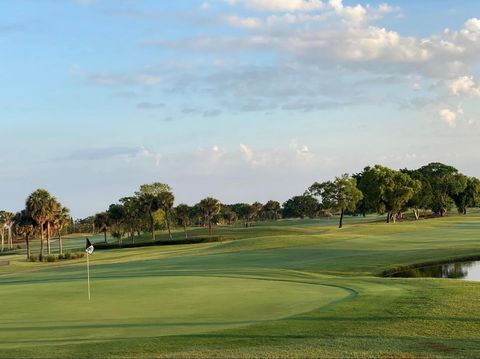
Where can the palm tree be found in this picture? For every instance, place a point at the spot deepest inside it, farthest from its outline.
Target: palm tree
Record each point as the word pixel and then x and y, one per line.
pixel 183 215
pixel 8 223
pixel 24 224
pixel 39 204
pixel 166 203
pixel 2 232
pixel 61 219
pixel 209 207
pixel 102 222
pixel 149 205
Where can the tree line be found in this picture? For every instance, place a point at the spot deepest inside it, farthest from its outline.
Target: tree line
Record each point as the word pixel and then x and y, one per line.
pixel 434 189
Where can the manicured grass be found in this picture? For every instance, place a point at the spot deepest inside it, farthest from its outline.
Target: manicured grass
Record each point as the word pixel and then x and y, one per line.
pixel 279 289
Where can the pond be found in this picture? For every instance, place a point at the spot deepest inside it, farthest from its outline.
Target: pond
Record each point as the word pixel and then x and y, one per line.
pixel 460 270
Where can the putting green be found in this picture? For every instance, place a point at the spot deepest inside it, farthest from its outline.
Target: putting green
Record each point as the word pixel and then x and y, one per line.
pixel 59 312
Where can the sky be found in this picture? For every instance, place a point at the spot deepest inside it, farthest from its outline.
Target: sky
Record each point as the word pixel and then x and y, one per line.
pixel 243 100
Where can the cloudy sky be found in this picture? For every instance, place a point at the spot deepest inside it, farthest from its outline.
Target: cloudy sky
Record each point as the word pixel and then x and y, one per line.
pixel 239 99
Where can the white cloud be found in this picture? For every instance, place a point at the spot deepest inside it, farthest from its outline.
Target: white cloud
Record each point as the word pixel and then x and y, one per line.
pixel 243 22
pixel 450 117
pixel 464 85
pixel 280 5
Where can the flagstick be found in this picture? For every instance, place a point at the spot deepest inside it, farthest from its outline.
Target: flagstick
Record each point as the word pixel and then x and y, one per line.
pixel 88 276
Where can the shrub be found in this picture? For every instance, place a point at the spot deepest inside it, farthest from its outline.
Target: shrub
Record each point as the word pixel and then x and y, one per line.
pixel 61 256
pixel 67 255
pixel 51 258
pixel 33 258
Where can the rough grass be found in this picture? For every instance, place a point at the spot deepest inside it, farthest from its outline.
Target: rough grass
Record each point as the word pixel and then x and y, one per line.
pixel 282 289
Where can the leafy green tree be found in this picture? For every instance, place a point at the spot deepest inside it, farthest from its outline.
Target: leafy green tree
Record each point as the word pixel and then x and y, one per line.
pixel 340 195
pixel 245 210
pixel 271 209
pixel 210 207
pixel 445 182
pixel 387 190
pixel 40 204
pixel 469 197
pixel 133 214
pixel 183 216
pixel 116 213
pixel 167 200
pixel 150 201
pixel 301 206
pixel 24 225
pixel 422 198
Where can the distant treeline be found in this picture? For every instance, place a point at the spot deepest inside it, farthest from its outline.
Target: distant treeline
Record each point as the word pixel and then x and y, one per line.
pixel 434 189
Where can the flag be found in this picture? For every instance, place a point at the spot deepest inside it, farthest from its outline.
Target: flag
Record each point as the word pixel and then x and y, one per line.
pixel 89 247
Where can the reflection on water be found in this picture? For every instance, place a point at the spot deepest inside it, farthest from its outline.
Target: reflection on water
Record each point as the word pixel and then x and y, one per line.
pixel 460 270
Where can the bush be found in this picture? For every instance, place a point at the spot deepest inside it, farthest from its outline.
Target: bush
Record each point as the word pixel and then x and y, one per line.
pixel 33 258
pixel 61 256
pixel 51 258
pixel 78 255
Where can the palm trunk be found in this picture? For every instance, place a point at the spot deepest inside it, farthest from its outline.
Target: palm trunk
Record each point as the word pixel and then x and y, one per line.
pixel 210 227
pixel 185 229
pixel 28 246
pixel 105 236
pixel 49 249
pixel 416 214
pixel 168 225
pixel 3 238
pixel 10 239
pixel 152 226
pixel 341 220
pixel 388 217
pixel 60 244
pixel 41 242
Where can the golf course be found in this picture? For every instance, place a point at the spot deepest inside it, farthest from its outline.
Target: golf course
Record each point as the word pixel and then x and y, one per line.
pixel 286 288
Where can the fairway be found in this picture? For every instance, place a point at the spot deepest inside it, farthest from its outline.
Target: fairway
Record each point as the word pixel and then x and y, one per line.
pixel 291 288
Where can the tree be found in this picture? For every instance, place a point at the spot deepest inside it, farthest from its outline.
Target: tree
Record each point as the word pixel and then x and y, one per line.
pixel 133 214
pixel 271 210
pixel 245 210
pixel 469 197
pixel 387 190
pixel 183 215
pixel 24 225
pixel 209 207
pixel 340 195
pixel 61 219
pixel 422 198
pixel 2 228
pixel 102 222
pixel 40 206
pixel 228 215
pixel 149 199
pixel 301 206
pixel 7 219
pixel 256 208
pixel 166 200
pixel 445 182
pixel 116 213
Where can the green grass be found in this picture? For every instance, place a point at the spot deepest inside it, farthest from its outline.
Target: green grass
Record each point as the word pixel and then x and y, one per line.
pixel 289 288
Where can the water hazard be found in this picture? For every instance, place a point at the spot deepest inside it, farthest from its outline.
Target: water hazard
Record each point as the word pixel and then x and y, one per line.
pixel 460 270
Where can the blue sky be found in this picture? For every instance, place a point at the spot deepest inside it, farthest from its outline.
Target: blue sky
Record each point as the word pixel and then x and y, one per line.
pixel 243 100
